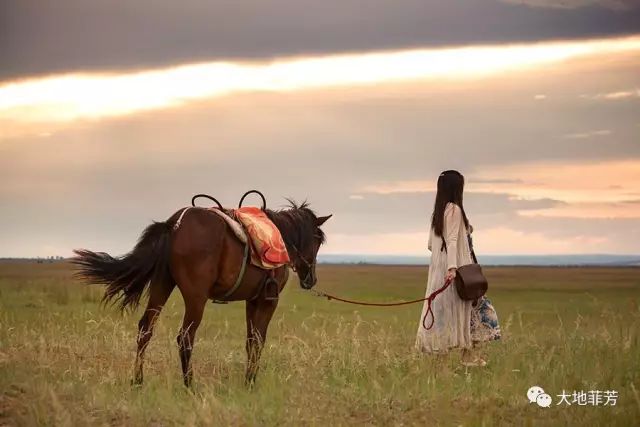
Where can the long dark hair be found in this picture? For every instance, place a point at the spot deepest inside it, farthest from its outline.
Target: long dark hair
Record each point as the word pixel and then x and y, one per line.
pixel 450 189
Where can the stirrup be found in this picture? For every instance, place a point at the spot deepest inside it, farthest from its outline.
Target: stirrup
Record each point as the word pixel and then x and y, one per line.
pixel 271 290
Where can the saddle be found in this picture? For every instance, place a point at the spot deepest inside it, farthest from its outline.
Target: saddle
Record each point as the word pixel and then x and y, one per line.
pixel 269 250
pixel 263 243
pixel 252 226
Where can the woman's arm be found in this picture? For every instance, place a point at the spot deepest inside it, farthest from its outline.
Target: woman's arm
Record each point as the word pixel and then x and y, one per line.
pixel 452 224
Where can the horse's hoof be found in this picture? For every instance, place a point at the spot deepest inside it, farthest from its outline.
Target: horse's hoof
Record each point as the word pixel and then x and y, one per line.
pixel 250 383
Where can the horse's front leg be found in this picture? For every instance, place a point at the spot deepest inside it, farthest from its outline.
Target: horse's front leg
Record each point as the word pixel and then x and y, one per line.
pixel 259 313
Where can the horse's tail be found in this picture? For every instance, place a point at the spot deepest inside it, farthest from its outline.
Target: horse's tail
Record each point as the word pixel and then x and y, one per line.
pixel 128 276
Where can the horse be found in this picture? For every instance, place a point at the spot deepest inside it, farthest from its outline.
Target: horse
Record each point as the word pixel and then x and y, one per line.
pixel 196 250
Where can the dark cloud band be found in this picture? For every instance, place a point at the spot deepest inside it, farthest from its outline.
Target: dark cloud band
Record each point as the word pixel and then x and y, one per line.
pixel 67 35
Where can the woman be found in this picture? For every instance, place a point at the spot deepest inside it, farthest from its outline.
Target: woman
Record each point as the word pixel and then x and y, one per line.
pixel 456 323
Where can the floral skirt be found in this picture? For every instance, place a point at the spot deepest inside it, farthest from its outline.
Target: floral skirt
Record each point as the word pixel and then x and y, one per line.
pixel 484 322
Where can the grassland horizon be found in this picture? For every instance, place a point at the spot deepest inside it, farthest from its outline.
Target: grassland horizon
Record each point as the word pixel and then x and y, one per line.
pixel 554 260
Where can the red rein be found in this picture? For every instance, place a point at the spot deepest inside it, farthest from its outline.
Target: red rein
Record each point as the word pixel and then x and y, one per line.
pixel 430 299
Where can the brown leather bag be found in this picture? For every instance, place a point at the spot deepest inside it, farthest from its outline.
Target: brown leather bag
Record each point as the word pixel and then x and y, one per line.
pixel 470 281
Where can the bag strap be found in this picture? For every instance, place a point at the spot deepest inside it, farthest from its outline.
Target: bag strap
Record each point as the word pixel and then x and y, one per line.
pixel 470 239
pixel 473 253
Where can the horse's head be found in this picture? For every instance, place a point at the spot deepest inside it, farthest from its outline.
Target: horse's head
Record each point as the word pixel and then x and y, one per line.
pixel 300 228
pixel 305 262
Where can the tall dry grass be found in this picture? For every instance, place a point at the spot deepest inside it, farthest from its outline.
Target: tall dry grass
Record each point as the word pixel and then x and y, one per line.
pixel 65 360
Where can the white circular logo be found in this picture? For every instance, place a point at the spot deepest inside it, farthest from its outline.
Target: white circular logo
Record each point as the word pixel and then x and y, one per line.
pixel 534 392
pixel 543 400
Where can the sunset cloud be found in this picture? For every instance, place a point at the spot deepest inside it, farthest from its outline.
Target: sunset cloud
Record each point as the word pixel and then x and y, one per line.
pixel 575 4
pixel 585 190
pixel 621 94
pixel 629 210
pixel 362 137
pixel 72 97
pixel 40 38
pixel 588 134
pixel 523 242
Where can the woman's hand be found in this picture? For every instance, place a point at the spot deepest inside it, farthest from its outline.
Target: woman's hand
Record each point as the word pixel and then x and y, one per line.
pixel 451 275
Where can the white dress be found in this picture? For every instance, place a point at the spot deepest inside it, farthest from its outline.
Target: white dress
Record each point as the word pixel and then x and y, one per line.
pixel 452 316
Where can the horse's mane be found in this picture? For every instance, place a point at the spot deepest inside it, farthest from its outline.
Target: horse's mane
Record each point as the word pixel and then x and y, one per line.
pixel 297 223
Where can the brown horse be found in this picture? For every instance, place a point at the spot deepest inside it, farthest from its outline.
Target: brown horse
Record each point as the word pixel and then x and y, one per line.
pixel 196 250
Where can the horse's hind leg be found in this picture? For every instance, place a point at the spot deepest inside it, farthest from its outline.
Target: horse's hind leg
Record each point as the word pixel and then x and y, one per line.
pixel 194 308
pixel 258 313
pixel 158 296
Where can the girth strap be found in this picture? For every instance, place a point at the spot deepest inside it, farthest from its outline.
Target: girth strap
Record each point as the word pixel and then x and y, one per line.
pixel 236 285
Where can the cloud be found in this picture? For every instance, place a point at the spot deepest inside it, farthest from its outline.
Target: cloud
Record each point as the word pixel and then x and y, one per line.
pixel 617 5
pixel 621 94
pixel 540 97
pixel 407 212
pixel 617 235
pixel 574 182
pixel 525 242
pixel 327 144
pixel 414 242
pixel 92 96
pixel 588 134
pixel 474 180
pixel 587 208
pixel 43 38
pixel 630 209
pixel 488 240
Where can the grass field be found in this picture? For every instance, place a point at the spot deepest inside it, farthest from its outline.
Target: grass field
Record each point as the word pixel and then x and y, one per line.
pixel 65 360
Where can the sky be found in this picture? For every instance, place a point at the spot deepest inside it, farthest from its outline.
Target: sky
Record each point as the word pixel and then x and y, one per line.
pixel 113 114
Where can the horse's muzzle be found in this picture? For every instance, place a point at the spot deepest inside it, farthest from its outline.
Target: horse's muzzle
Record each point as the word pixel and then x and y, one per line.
pixel 309 281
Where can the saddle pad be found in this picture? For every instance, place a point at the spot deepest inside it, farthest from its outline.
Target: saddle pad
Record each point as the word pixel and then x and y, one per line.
pixel 235 225
pixel 269 250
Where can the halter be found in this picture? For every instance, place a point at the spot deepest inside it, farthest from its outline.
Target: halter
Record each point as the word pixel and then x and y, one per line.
pixel 300 257
pixel 310 265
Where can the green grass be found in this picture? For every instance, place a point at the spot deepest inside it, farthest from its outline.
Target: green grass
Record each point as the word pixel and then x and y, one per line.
pixel 65 360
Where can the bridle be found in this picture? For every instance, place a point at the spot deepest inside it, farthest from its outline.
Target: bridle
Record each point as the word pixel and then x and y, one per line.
pixel 301 258
pixel 310 265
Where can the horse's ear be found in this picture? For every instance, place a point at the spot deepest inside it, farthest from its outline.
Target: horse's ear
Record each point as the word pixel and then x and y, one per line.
pixel 322 219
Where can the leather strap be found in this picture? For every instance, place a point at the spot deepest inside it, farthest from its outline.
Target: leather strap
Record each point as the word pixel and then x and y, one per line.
pixel 473 253
pixel 240 275
pixel 470 239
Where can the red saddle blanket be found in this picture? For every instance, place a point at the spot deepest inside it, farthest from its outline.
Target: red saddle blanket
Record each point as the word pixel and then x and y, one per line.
pixel 269 250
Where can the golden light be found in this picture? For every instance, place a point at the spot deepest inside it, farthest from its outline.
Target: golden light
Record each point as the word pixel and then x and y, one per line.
pixel 71 97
